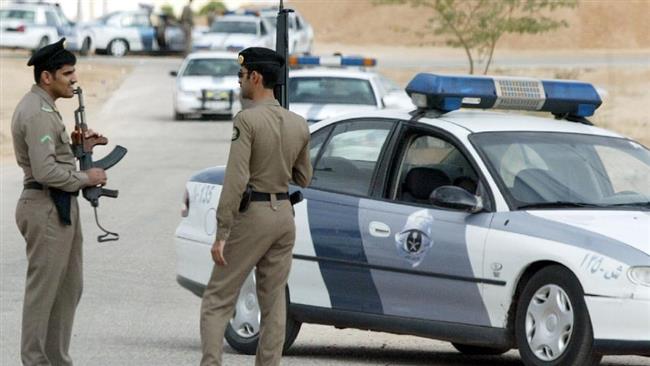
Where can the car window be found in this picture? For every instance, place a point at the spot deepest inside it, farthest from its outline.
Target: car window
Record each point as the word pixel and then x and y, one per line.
pixel 51 19
pixel 316 142
pixel 211 67
pixel 141 20
pixel 25 15
pixel 429 162
pixel 263 29
pixel 541 168
pixel 350 156
pixel 330 90
pixel 299 25
pixel 221 26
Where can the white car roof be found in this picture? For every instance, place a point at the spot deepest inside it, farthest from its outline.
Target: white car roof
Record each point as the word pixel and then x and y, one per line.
pixel 333 72
pixel 238 18
pixel 485 121
pixel 212 54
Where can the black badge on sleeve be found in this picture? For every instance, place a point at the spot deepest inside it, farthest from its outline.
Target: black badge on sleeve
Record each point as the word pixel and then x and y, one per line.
pixel 235 133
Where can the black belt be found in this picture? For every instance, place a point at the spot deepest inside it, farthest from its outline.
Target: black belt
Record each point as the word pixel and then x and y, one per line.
pixel 260 196
pixel 33 185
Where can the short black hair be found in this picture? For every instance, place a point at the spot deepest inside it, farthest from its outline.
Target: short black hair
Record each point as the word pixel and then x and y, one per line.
pixel 270 73
pixel 54 64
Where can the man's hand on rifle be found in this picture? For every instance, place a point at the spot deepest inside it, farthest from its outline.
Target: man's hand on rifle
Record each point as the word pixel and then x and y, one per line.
pixel 96 176
pixel 90 133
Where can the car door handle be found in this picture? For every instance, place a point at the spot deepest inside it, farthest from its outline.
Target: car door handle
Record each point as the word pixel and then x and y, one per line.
pixel 379 229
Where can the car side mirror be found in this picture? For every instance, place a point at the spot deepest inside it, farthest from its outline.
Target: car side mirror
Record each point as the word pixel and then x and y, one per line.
pixel 455 198
pixel 173 73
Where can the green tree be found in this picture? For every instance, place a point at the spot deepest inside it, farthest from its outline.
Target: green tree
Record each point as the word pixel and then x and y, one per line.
pixel 213 7
pixel 168 10
pixel 477 25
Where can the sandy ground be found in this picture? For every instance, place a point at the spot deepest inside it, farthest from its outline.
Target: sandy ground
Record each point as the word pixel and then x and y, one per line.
pixel 97 79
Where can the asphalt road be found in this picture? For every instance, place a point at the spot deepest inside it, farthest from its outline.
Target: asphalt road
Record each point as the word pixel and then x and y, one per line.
pixel 132 311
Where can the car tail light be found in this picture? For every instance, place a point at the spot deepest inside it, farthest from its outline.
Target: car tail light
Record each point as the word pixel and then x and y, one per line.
pixel 21 29
pixel 185 208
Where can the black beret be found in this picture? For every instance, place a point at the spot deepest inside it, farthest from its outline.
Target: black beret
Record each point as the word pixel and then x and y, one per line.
pixel 50 54
pixel 260 56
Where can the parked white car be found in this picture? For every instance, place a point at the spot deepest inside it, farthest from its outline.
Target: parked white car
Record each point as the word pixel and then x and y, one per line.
pixel 234 32
pixel 301 33
pixel 34 25
pixel 488 230
pixel 340 85
pixel 121 32
pixel 207 84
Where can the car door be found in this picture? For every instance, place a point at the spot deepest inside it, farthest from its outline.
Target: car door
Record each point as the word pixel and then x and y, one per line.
pixel 426 262
pixel 329 260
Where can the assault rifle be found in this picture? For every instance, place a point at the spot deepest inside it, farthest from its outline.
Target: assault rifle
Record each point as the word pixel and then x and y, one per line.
pixel 82 148
pixel 281 91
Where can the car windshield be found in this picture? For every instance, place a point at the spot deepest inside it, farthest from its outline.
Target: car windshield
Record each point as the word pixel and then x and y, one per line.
pixel 234 27
pixel 211 67
pixel 555 170
pixel 330 90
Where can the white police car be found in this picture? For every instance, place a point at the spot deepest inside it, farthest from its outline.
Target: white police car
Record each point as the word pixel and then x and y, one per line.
pixel 34 25
pixel 236 31
pixel 339 85
pixel 207 84
pixel 301 33
pixel 488 230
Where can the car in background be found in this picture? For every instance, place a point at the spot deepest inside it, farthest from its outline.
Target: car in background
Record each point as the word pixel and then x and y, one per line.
pixel 301 33
pixel 121 32
pixel 337 85
pixel 488 230
pixel 34 25
pixel 207 85
pixel 236 31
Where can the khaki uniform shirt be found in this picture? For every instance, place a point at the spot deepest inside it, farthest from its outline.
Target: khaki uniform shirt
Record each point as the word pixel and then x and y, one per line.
pixel 42 145
pixel 270 147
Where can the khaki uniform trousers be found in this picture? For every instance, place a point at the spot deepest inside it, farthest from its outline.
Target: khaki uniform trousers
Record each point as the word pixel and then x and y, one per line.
pixel 263 238
pixel 54 278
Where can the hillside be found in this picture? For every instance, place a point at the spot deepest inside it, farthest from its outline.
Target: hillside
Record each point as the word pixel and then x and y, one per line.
pixel 594 24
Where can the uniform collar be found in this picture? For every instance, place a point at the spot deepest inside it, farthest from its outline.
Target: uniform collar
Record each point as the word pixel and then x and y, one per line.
pixel 268 101
pixel 44 95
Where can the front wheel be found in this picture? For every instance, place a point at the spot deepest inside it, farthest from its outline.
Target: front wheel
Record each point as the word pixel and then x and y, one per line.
pixel 243 330
pixel 118 47
pixel 552 324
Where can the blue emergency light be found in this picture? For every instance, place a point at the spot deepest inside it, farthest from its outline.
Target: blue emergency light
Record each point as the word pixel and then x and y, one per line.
pixel 447 93
pixel 335 61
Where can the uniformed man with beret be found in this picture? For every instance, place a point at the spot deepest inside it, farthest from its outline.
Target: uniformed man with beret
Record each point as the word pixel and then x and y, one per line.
pixel 269 148
pixel 47 213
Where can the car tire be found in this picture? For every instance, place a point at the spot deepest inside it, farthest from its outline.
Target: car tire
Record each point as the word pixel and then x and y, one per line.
pixel 85 47
pixel 468 349
pixel 179 116
pixel 552 324
pixel 118 47
pixel 244 338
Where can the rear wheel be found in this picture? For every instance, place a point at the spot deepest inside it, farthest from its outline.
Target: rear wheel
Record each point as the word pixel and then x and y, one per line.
pixel 243 331
pixel 118 47
pixel 552 324
pixel 478 350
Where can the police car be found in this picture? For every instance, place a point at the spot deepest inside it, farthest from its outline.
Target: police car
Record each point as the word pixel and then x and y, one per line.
pixel 235 31
pixel 301 33
pixel 34 25
pixel 489 230
pixel 207 84
pixel 331 86
pixel 121 32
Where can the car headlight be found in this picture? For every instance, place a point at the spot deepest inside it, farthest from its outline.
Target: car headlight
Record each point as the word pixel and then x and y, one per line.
pixel 639 275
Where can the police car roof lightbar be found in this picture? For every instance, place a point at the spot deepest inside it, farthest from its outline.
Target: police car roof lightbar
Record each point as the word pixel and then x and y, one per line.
pixel 447 93
pixel 331 61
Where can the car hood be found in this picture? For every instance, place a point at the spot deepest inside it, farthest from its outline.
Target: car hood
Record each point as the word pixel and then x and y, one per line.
pixel 317 112
pixel 629 227
pixel 194 83
pixel 225 40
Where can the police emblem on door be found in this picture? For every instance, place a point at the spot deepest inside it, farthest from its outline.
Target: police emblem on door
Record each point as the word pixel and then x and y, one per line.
pixel 414 240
